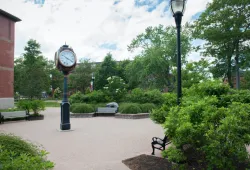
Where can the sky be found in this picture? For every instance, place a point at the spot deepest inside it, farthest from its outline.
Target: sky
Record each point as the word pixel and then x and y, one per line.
pixel 92 27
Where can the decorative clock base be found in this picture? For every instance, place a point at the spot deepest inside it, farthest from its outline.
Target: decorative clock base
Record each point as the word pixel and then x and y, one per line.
pixel 65 123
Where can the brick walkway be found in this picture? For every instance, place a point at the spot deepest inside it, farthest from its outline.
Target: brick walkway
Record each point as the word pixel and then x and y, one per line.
pixel 94 144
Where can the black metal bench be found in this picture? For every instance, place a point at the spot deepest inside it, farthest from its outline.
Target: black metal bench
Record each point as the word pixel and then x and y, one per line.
pixel 160 144
pixel 13 115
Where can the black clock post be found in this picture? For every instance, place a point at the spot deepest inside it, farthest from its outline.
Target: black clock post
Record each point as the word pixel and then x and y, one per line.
pixel 65 113
pixel 66 68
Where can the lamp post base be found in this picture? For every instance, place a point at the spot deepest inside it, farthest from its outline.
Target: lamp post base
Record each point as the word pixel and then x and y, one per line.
pixel 65 116
pixel 65 126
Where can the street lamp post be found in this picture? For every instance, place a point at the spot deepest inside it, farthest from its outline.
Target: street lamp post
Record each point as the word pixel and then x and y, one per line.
pixel 178 9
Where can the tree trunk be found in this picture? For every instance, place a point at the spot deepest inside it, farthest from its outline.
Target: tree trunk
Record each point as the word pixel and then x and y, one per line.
pixel 229 70
pixel 237 67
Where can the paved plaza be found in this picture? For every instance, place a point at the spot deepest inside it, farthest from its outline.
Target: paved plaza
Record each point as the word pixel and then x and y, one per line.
pixel 98 143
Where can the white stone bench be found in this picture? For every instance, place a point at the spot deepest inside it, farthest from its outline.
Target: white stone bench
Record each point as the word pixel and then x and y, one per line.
pixel 15 114
pixel 106 111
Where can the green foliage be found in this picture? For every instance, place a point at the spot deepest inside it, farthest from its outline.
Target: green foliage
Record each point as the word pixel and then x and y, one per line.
pixel 14 143
pixel 158 115
pixel 209 88
pixel 140 96
pixel 16 153
pixel 57 93
pixel 116 88
pixel 96 97
pixel 151 69
pixel 219 132
pixel 82 108
pixel 31 76
pixel 147 107
pixel 174 155
pixel 130 108
pixel 80 79
pixel 93 97
pixel 224 27
pixel 194 73
pixel 52 104
pixel 107 69
pixel 77 97
pixel 24 105
pixel 37 106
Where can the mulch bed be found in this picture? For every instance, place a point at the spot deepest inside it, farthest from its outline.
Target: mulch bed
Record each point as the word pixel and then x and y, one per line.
pixel 148 162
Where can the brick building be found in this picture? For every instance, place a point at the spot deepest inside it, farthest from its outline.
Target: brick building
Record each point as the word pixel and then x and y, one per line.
pixel 7 42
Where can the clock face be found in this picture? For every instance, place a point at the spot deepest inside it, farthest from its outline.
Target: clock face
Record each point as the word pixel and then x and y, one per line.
pixel 67 58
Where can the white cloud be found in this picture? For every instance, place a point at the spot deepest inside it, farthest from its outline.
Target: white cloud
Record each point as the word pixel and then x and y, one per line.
pixel 86 24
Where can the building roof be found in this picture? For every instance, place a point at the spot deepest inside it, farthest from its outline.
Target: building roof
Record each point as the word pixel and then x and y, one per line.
pixel 9 16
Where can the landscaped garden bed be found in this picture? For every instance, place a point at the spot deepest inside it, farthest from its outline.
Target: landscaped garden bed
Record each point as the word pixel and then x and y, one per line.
pixel 132 116
pixel 36 117
pixel 82 115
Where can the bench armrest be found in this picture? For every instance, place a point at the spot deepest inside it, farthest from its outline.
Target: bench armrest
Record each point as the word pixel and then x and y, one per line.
pixel 156 138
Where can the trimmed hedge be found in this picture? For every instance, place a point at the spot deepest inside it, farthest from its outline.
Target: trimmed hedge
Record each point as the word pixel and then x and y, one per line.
pixel 147 107
pixel 82 108
pixel 130 108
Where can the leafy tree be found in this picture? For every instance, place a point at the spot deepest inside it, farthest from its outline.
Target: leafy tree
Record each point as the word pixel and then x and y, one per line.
pixel 194 73
pixel 32 79
pixel 225 27
pixel 107 69
pixel 158 56
pixel 80 79
pixel 121 69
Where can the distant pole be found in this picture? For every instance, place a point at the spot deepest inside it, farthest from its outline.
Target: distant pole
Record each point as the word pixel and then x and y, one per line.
pixel 237 67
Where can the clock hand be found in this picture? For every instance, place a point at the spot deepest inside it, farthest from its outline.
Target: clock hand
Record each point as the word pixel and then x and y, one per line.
pixel 69 59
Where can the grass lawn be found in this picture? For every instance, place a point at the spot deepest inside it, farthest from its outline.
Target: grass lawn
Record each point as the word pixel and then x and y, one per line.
pixel 52 104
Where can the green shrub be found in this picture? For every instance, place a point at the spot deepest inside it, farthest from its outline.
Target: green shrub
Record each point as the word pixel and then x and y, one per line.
pixel 158 115
pixel 77 97
pixel 10 160
pixel 174 155
pixel 217 132
pixel 147 107
pixel 17 144
pixel 96 97
pixel 136 96
pixel 209 88
pixel 24 105
pixel 16 153
pixel 153 96
pixel 139 96
pixel 37 106
pixel 130 108
pixel 82 108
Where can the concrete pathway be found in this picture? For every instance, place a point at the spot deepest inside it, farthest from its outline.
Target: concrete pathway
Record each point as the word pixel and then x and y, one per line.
pixel 98 143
